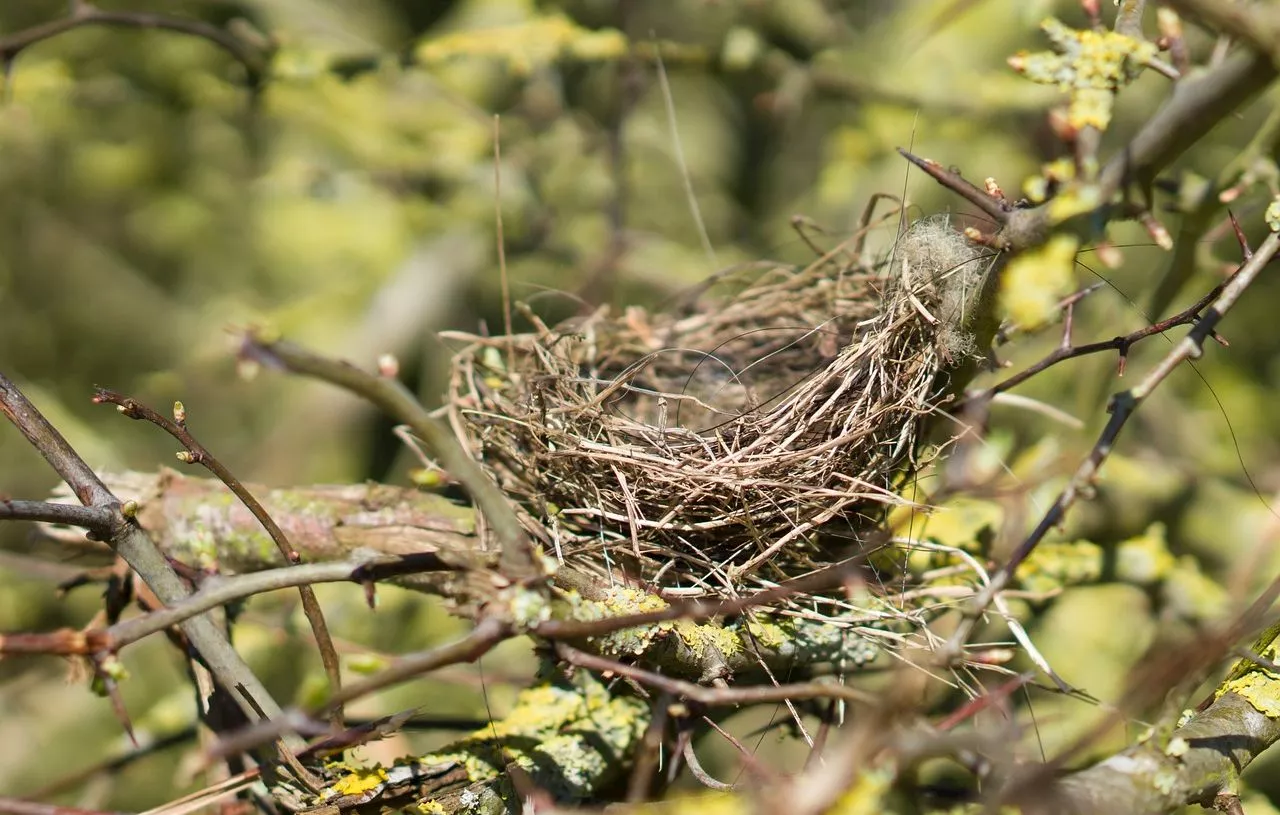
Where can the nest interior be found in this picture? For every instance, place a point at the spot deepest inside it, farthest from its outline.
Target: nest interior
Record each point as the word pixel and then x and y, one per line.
pixel 736 436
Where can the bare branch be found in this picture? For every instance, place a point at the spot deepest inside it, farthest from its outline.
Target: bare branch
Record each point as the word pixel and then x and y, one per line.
pixel 197 454
pixel 96 520
pixel 84 14
pixel 129 540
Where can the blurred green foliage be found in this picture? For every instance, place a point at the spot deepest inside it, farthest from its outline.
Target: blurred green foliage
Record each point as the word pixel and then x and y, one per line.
pixel 154 201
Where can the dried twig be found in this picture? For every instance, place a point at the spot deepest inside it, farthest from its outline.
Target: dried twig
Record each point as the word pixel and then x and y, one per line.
pixel 196 453
pixel 139 551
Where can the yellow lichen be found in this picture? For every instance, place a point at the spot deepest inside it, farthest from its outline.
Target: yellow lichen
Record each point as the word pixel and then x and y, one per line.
pixel 700 636
pixel 359 780
pixel 1036 281
pixel 528 45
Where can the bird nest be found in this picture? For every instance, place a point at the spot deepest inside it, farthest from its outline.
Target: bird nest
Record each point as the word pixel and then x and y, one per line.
pixel 740 434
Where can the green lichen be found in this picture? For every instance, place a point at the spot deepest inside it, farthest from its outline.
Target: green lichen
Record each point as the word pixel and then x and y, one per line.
pixel 1145 559
pixel 698 637
pixel 1056 565
pixel 572 741
pixel 527 607
pixel 1256 683
pixel 1090 66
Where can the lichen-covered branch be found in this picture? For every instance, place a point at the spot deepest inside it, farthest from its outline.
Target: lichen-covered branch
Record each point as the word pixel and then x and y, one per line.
pixel 198 522
pixel 568 742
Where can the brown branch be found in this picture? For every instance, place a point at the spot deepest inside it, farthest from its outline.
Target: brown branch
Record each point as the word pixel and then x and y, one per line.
pixel 133 544
pixel 214 593
pixel 84 14
pixel 1066 350
pixel 98 521
pixel 196 453
pixel 997 209
pixel 1198 103
pixel 488 633
pixel 516 557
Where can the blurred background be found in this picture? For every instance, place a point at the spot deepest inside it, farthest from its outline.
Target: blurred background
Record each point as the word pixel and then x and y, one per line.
pixel 155 204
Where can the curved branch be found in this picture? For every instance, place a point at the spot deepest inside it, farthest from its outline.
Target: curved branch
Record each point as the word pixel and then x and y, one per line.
pixel 84 14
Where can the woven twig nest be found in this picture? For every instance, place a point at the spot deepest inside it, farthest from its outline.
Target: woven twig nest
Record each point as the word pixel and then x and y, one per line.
pixel 729 437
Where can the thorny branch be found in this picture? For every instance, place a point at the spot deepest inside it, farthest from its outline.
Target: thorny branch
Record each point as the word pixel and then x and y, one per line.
pixel 1198 103
pixel 1122 407
pixel 1121 344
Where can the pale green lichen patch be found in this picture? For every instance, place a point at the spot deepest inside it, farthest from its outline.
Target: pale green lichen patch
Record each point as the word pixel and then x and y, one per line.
pixel 527 607
pixel 698 637
pixel 571 741
pixel 1260 688
pixel 1054 566
pixel 1177 747
pixel 704 650
pixel 1090 66
pixel 1146 558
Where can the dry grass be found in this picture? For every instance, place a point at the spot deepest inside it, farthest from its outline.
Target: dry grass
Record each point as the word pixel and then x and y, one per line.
pixel 747 435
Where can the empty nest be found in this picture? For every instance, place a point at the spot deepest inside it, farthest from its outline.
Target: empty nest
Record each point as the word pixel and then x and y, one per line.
pixel 740 434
